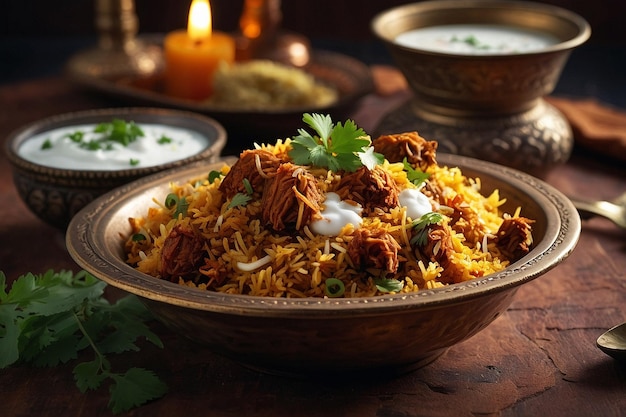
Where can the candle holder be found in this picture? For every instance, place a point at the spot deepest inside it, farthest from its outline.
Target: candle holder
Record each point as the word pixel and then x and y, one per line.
pixel 260 35
pixel 485 106
pixel 119 52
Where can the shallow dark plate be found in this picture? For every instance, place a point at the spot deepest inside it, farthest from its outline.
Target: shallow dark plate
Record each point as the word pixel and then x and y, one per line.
pixel 350 77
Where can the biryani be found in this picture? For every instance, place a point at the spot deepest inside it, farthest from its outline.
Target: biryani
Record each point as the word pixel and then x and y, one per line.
pixel 264 84
pixel 328 214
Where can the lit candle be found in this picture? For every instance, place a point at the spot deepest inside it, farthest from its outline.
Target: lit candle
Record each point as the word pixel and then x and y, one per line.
pixel 192 56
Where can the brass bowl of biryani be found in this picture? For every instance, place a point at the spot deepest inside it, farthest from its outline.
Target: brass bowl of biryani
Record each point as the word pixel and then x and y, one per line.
pixel 328 252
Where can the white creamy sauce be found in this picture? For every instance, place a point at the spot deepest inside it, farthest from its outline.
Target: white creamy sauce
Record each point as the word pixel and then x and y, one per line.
pixel 416 203
pixel 476 39
pixel 336 215
pixel 144 152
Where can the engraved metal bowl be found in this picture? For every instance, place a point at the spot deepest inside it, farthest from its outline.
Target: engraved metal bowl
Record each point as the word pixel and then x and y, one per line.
pixel 56 194
pixel 386 334
pixel 485 106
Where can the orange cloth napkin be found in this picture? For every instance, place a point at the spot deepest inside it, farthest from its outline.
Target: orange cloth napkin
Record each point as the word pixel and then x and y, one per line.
pixel 595 125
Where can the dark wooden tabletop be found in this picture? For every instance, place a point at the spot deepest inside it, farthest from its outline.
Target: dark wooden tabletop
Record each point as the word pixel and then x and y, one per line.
pixel 539 358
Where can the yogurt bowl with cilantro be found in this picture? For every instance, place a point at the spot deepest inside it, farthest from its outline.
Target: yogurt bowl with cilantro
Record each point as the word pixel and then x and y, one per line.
pixel 63 162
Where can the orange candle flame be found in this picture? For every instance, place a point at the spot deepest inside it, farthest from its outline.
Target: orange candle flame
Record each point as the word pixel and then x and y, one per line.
pixel 199 26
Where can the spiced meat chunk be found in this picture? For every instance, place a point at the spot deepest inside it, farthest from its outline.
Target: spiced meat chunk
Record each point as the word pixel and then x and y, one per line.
pixel 439 248
pixel 182 253
pixel 419 152
pixel 514 237
pixel 374 248
pixel 255 165
pixel 290 198
pixel 372 189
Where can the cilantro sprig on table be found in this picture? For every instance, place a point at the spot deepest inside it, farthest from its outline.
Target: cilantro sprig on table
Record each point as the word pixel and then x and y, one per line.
pixel 334 146
pixel 47 319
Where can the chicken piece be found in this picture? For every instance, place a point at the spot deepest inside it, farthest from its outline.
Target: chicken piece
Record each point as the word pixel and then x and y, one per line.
pixel 514 237
pixel 464 219
pixel 182 253
pixel 256 165
pixel 374 249
pixel 290 198
pixel 370 188
pixel 438 248
pixel 419 152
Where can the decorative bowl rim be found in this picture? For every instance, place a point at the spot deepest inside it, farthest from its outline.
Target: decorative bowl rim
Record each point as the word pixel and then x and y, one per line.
pixel 86 241
pixel 213 148
pixel 584 29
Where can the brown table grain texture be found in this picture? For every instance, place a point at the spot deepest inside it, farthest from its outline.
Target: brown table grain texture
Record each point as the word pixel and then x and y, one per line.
pixel 539 358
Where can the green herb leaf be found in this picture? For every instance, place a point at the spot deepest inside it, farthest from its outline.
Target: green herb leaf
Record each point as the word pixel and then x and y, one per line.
pixel 336 147
pixel 421 227
pixel 163 140
pixel 48 319
pixel 247 186
pixel 239 199
pixel 47 144
pixel 134 162
pixel 76 136
pixel 119 131
pixel 181 208
pixel 134 388
pixel 417 177
pixel 213 175
pixel 388 285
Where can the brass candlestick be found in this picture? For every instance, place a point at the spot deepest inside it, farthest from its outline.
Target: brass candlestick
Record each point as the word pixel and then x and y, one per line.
pixel 119 51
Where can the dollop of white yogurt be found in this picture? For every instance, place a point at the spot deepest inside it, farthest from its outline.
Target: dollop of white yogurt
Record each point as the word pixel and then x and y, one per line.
pixel 416 203
pixel 336 215
pixel 148 150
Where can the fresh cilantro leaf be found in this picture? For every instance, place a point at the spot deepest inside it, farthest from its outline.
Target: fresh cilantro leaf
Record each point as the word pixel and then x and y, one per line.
pixel 50 318
pixel 321 123
pixel 76 136
pixel 9 335
pixel 336 146
pixel 421 227
pixel 88 375
pixel 164 140
pixel 370 159
pixel 47 144
pixel 119 131
pixel 415 176
pixel 388 284
pixel 181 208
pixel 134 388
pixel 247 186
pixel 239 199
pixel 134 162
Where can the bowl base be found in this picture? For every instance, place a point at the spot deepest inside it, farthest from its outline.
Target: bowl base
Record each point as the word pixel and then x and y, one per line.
pixel 534 141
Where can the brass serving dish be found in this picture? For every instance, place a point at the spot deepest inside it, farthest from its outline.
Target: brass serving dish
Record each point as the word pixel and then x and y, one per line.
pixel 389 334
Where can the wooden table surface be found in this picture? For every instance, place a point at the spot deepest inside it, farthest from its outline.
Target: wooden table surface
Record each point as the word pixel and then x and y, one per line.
pixel 539 358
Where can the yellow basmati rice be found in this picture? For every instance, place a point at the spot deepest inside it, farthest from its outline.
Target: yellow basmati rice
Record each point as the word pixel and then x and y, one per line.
pixel 258 261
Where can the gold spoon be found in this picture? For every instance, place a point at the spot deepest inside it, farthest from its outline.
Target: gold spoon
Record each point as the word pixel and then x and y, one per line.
pixel 613 210
pixel 613 342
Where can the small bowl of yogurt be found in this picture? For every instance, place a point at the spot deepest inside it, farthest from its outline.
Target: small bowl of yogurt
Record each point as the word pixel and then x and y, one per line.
pixel 63 162
pixel 478 71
